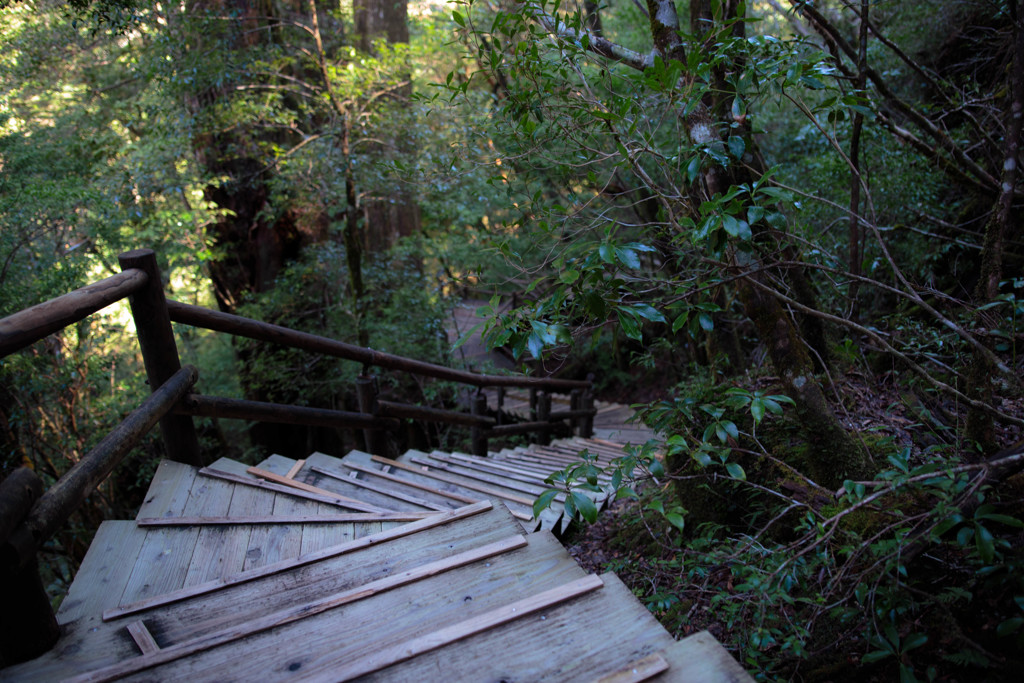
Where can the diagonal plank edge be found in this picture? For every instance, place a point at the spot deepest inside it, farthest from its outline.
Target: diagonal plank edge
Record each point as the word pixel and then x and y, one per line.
pixel 435 519
pixel 355 517
pixel 302 486
pixel 384 491
pixel 295 613
pixel 325 497
pixel 409 482
pixel 464 629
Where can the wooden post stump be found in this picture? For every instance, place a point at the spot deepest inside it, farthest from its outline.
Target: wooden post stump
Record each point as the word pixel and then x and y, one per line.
pixel 575 403
pixel 28 627
pixel 543 415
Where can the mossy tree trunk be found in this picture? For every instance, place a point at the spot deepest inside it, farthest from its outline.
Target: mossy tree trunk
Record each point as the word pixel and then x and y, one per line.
pixel 833 454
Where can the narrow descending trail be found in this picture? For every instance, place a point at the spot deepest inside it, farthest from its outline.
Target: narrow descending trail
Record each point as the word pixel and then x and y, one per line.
pixel 613 420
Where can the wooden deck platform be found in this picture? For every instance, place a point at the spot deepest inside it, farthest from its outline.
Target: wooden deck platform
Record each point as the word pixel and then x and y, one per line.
pixel 357 567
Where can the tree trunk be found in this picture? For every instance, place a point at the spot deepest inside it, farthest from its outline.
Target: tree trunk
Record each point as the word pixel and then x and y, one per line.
pixel 833 455
pixel 386 220
pixel 980 427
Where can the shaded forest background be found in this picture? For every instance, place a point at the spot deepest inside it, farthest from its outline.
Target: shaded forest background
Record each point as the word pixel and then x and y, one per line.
pixel 789 231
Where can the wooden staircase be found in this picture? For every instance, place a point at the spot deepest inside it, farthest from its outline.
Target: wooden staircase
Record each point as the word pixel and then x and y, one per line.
pixel 415 569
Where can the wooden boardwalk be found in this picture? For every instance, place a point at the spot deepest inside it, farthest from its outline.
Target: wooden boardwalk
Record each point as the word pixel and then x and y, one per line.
pixel 418 569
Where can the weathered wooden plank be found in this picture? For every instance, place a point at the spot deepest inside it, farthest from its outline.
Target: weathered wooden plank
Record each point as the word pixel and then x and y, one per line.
pixel 389 619
pixel 284 542
pixel 278 464
pixel 364 529
pixel 104 572
pixel 489 491
pixel 142 637
pixel 383 490
pixel 438 639
pixel 237 540
pixel 390 535
pixel 409 482
pixel 438 462
pixel 326 517
pixel 702 658
pixel 91 643
pixel 489 467
pixel 503 463
pixel 209 497
pixel 290 490
pixel 162 563
pixel 230 466
pixel 295 469
pixel 640 670
pixel 324 471
pixel 580 640
pixel 288 616
pixel 349 502
pixel 241 604
pixel 319 536
pixel 168 490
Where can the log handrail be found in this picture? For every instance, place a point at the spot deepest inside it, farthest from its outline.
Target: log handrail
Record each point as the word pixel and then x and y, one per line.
pixel 232 408
pixel 415 412
pixel 55 506
pixel 26 327
pixel 197 316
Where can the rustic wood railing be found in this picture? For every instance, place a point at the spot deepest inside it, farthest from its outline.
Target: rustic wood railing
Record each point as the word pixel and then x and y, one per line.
pixel 29 517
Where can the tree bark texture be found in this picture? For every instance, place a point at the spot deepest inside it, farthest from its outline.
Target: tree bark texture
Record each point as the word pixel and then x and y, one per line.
pixel 980 426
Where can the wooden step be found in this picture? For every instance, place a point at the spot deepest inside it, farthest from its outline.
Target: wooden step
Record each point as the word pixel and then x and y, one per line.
pixel 701 658
pixel 88 643
pixel 326 472
pixel 555 644
pixel 403 609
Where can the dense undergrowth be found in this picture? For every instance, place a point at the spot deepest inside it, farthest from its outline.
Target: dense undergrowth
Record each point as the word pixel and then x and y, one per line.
pixel 916 573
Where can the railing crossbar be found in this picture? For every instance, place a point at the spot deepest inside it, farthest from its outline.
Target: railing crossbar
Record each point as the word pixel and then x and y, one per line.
pixel 26 327
pixel 237 325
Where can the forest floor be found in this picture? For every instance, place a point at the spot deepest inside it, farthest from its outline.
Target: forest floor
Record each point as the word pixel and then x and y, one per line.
pixel 880 406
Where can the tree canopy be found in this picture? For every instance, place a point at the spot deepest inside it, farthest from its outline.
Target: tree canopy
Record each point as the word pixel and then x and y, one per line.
pixel 790 229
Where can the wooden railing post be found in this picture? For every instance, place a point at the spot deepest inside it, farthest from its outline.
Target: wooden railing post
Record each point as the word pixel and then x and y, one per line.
pixel 587 403
pixel 160 353
pixel 533 404
pixel 575 403
pixel 543 415
pixel 587 423
pixel 28 627
pixel 366 392
pixel 477 434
